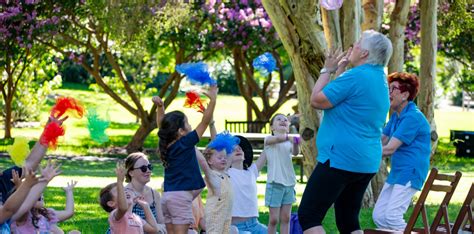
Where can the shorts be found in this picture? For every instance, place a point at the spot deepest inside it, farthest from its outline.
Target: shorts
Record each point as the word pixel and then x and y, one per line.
pixel 177 207
pixel 277 195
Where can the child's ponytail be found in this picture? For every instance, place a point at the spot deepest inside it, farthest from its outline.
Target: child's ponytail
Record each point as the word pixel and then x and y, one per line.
pixel 168 132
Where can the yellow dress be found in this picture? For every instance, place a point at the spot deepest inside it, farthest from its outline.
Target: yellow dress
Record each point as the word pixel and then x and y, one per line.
pixel 218 211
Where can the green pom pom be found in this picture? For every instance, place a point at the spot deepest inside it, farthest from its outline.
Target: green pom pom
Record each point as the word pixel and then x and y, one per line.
pixel 97 126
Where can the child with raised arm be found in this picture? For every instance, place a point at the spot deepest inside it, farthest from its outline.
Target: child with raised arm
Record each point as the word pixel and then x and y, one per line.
pixel 47 174
pixel 281 178
pixel 15 201
pixel 183 180
pixel 44 220
pixel 218 210
pixel 243 177
pixel 119 203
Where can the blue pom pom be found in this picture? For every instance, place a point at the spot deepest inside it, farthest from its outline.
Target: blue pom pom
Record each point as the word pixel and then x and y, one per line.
pixel 265 63
pixel 197 73
pixel 225 141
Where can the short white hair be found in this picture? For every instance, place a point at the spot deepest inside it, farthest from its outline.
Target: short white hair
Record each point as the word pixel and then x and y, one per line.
pixel 378 46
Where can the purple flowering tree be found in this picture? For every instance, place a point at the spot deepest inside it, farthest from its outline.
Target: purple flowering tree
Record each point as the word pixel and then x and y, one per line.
pixel 243 30
pixel 18 27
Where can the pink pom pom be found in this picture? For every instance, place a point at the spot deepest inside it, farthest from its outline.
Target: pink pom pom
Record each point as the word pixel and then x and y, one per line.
pixel 331 4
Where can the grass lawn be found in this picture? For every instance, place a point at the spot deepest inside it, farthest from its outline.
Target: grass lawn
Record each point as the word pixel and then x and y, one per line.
pixel 92 175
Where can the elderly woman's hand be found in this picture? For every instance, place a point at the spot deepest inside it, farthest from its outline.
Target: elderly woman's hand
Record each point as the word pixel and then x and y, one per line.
pixel 333 57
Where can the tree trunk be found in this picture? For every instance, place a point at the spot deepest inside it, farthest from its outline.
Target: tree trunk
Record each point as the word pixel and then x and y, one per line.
pixel 379 179
pixel 351 20
pixel 8 116
pixel 136 143
pixel 299 26
pixel 429 41
pixel 373 14
pixel 332 29
pixel 398 22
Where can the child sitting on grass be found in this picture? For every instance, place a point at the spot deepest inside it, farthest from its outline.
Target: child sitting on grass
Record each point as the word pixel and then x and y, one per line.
pixel 119 203
pixel 41 219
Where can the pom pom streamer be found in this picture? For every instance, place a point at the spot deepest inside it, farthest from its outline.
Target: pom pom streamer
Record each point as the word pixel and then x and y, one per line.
pixel 97 126
pixel 224 141
pixel 193 100
pixel 265 63
pixel 67 104
pixel 51 133
pixel 331 4
pixel 19 151
pixel 197 73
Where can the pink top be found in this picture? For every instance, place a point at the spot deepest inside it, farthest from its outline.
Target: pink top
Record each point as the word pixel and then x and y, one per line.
pixel 130 223
pixel 44 225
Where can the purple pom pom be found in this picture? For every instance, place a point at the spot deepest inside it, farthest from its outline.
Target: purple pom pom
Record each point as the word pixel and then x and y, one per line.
pixel 197 73
pixel 265 63
pixel 225 141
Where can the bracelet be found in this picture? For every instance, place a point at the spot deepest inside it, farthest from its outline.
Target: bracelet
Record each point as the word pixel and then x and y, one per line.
pixel 212 123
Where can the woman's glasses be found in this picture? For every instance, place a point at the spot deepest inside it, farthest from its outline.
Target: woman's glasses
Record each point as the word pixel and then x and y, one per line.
pixel 144 168
pixel 393 88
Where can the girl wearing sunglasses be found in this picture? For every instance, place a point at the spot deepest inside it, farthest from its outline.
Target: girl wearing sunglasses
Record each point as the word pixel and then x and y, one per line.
pixel 138 174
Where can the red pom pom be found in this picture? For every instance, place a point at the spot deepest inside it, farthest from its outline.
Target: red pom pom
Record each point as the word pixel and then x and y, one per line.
pixel 67 104
pixel 193 100
pixel 50 134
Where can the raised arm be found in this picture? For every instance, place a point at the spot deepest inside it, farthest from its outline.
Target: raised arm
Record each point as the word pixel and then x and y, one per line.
pixel 260 163
pixel 296 145
pixel 212 129
pixel 318 98
pixel 69 211
pixel 158 209
pixel 270 140
pixel 48 173
pixel 150 224
pixel 160 109
pixel 39 150
pixel 122 205
pixel 205 168
pixel 207 115
pixel 14 202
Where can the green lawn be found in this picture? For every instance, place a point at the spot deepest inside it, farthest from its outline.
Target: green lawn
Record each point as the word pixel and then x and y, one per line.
pixel 92 175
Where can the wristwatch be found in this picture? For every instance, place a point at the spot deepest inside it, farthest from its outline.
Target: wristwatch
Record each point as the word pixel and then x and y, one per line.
pixel 325 70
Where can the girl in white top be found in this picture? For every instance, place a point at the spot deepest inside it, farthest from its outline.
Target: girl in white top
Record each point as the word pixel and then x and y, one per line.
pixel 243 177
pixel 281 178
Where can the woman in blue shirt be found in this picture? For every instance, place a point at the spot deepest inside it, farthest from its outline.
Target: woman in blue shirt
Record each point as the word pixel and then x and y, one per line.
pixel 355 104
pixel 406 137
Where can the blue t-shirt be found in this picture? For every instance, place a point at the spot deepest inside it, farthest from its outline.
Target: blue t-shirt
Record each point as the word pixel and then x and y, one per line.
pixel 182 172
pixel 411 161
pixel 350 132
pixel 5 227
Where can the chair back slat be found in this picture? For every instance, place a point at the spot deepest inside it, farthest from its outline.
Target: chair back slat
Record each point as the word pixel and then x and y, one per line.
pixel 447 198
pixel 441 188
pixel 444 177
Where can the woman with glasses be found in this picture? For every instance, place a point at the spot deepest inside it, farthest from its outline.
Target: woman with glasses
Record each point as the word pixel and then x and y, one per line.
pixel 407 138
pixel 355 103
pixel 139 171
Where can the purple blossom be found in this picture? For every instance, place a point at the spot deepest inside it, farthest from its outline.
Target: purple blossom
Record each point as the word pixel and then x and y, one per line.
pixel 71 56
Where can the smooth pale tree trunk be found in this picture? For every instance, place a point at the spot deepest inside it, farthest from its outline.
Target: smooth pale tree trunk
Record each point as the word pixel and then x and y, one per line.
pixel 332 28
pixel 429 40
pixel 373 14
pixel 350 22
pixel 398 22
pixel 299 26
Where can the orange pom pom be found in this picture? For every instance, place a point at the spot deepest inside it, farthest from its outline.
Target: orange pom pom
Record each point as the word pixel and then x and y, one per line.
pixel 67 104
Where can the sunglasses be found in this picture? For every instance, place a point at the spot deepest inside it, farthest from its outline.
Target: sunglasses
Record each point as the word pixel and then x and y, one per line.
pixel 144 168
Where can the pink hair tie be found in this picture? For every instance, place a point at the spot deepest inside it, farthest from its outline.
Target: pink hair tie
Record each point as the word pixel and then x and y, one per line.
pixel 331 4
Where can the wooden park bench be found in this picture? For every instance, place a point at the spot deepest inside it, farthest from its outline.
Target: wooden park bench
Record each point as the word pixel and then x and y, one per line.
pixel 248 126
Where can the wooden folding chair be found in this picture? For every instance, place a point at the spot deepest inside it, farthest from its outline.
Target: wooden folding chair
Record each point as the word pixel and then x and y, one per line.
pixel 420 207
pixel 465 214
